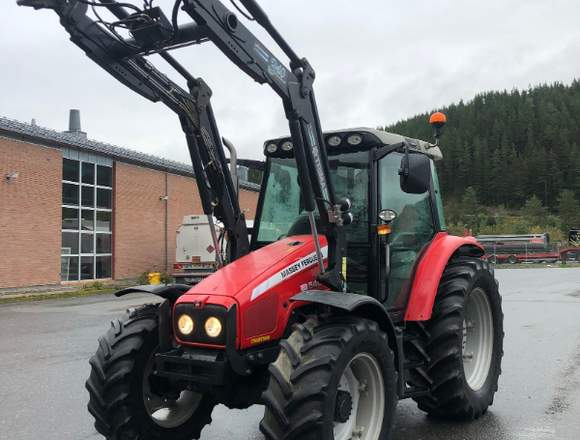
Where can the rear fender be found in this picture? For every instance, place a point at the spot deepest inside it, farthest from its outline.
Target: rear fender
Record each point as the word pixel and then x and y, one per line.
pixel 430 269
pixel 167 291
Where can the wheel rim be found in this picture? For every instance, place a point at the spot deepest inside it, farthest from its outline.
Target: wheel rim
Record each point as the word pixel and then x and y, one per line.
pixel 165 412
pixel 478 340
pixel 363 380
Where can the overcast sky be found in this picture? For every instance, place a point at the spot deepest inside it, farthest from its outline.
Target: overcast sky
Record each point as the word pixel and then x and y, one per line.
pixel 377 61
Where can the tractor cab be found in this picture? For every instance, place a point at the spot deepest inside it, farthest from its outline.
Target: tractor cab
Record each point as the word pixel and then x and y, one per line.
pixel 392 220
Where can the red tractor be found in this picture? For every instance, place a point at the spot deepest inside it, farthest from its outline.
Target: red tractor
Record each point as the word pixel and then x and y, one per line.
pixel 351 294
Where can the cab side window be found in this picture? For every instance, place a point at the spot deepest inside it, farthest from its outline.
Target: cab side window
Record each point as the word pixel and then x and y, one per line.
pixel 411 230
pixel 350 176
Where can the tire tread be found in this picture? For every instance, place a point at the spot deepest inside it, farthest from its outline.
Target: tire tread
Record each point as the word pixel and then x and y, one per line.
pixel 299 377
pixel 111 402
pixel 448 397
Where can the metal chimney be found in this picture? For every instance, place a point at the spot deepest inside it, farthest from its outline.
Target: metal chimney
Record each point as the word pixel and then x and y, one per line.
pixel 74 123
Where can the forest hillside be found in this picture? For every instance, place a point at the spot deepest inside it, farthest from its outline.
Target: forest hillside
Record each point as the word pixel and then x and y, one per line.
pixel 511 159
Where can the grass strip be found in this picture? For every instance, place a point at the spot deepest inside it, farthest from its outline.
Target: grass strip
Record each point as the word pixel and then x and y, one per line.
pixel 41 296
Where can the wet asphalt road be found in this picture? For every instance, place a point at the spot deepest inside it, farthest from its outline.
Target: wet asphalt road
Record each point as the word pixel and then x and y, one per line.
pixel 44 348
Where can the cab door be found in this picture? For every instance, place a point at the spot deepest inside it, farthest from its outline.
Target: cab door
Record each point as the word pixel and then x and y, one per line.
pixel 412 229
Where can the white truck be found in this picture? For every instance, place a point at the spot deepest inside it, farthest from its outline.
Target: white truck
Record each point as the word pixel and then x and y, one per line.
pixel 195 254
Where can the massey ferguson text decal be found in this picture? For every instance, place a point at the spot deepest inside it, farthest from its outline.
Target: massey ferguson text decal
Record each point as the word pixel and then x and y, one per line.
pixel 294 268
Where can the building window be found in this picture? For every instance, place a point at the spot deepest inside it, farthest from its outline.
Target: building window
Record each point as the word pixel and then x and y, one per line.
pixel 70 170
pixel 87 210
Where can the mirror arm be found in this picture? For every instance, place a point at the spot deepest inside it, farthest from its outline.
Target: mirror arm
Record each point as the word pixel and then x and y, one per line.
pixel 404 170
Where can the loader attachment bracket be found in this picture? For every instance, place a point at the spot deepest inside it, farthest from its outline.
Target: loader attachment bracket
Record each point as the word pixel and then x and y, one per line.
pixel 152 32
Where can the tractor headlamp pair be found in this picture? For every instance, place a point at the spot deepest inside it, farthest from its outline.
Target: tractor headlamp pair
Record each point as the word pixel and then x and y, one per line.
pixel 213 326
pixel 196 323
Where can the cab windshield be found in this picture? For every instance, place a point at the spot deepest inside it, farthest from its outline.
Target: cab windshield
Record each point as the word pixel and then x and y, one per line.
pixel 283 208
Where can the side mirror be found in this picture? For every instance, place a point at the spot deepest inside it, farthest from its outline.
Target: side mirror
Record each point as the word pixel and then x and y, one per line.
pixel 415 173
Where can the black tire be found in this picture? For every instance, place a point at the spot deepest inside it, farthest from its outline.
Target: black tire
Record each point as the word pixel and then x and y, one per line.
pixel 300 401
pixel 451 396
pixel 512 259
pixel 116 383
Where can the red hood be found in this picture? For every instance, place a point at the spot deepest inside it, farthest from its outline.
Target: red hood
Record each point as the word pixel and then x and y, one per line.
pixel 250 271
pixel 261 284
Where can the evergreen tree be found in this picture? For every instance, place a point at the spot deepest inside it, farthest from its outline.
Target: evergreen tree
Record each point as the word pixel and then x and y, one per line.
pixel 534 212
pixel 469 208
pixel 569 210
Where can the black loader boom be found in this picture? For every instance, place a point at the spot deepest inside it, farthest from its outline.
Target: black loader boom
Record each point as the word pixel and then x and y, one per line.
pixel 331 361
pixel 153 33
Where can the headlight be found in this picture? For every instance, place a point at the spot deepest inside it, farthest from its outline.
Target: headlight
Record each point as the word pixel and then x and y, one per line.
pixel 334 141
pixel 213 327
pixel 354 139
pixel 185 324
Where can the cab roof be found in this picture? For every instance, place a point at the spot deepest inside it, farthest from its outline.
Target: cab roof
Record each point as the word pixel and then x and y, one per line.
pixel 338 140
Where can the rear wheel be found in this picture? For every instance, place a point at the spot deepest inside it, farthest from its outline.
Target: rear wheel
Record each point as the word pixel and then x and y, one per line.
pixel 127 401
pixel 512 259
pixel 464 341
pixel 332 380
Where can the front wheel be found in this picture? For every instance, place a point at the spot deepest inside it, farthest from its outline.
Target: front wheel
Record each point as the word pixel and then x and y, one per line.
pixel 334 379
pixel 127 401
pixel 464 341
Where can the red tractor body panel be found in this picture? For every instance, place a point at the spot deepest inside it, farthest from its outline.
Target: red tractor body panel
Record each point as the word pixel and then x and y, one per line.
pixel 429 271
pixel 261 284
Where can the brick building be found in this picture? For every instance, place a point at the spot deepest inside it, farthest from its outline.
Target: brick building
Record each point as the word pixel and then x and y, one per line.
pixel 74 209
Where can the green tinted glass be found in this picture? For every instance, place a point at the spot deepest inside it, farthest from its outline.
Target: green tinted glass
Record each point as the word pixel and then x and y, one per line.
pixel 411 230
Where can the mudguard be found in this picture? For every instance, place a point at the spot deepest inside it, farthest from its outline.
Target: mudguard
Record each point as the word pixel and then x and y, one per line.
pixel 365 307
pixel 361 305
pixel 167 291
pixel 430 269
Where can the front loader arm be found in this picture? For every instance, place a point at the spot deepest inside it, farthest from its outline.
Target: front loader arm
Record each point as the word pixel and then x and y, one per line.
pixel 294 86
pixel 125 60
